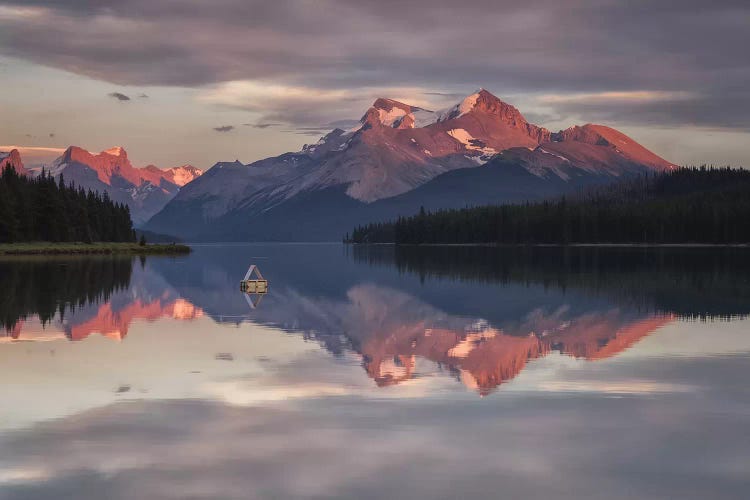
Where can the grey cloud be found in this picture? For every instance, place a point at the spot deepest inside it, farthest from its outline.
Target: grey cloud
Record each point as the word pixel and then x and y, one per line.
pixel 224 128
pixel 311 133
pixel 319 130
pixel 451 95
pixel 119 96
pixel 539 117
pixel 311 113
pixel 712 109
pixel 261 125
pixel 507 46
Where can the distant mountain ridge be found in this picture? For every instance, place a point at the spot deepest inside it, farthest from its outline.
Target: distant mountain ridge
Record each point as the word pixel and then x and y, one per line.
pixel 145 190
pixel 400 157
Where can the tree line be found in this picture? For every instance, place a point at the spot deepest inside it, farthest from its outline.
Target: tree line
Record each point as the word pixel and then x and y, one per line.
pixel 686 205
pixel 45 209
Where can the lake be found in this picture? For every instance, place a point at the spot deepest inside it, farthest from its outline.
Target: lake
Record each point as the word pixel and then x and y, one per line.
pixel 377 372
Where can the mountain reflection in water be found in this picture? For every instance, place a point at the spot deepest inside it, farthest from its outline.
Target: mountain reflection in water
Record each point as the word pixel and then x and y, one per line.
pixel 478 314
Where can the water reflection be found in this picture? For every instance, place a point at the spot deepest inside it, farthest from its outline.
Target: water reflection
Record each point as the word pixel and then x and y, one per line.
pixel 691 282
pixel 476 314
pixel 481 314
pixel 613 373
pixel 73 298
pixel 50 286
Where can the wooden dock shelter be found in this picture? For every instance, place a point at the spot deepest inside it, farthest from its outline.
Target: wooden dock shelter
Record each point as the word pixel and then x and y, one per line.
pixel 254 282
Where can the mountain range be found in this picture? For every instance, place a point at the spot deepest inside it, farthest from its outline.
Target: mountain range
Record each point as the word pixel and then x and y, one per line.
pixel 397 159
pixel 145 190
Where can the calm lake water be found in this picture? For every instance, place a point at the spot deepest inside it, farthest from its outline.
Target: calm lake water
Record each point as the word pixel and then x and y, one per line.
pixel 446 372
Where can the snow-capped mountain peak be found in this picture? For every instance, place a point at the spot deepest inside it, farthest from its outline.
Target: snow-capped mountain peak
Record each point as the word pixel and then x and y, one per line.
pixel 183 174
pixel 395 114
pixel 466 105
pixel 391 113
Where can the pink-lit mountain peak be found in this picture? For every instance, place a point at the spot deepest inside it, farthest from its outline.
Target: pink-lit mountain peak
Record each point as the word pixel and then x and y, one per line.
pixel 482 101
pixel 12 158
pixel 118 151
pixel 145 190
pixel 115 161
pixel 390 112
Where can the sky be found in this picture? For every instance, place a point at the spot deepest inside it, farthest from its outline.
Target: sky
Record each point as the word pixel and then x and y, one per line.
pixel 189 81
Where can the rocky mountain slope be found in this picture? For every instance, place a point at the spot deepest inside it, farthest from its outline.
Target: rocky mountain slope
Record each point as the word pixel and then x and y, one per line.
pixel 400 157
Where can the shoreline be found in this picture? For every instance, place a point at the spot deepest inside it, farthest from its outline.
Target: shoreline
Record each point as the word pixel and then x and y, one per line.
pixel 99 248
pixel 562 245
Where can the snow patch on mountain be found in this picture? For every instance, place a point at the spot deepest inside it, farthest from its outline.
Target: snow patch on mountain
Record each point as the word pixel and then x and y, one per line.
pixel 470 142
pixel 461 136
pixel 389 117
pixel 456 111
pixel 467 104
pixel 553 154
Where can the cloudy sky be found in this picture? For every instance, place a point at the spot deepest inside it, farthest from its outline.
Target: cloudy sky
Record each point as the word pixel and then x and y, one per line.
pixel 190 81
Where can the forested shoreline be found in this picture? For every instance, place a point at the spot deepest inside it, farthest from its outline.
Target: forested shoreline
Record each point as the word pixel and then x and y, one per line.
pixel 687 205
pixel 45 209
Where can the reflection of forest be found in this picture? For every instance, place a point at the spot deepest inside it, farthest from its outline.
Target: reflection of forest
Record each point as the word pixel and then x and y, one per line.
pixel 77 297
pixel 47 286
pixel 691 282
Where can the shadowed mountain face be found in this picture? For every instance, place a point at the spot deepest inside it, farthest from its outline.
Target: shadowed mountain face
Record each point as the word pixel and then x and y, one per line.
pixel 477 314
pixel 400 157
pixel 145 190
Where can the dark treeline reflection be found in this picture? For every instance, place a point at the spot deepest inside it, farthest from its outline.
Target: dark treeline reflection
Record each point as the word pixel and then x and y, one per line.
pixel 49 286
pixel 690 282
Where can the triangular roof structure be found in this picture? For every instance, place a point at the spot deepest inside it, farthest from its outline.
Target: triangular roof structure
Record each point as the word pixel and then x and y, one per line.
pixel 253 269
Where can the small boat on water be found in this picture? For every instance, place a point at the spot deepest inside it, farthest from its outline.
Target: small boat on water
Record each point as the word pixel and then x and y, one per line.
pixel 254 282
